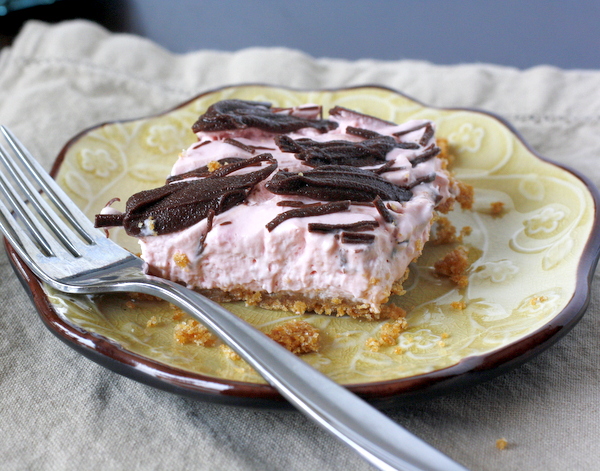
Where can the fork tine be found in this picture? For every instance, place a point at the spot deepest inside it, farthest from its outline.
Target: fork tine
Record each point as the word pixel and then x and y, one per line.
pixel 35 197
pixel 76 218
pixel 23 214
pixel 19 239
pixel 47 244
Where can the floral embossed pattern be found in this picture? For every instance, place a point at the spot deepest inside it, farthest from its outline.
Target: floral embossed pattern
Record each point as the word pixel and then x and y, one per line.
pixel 528 230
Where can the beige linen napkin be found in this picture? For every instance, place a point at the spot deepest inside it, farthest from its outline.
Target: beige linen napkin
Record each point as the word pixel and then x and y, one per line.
pixel 60 411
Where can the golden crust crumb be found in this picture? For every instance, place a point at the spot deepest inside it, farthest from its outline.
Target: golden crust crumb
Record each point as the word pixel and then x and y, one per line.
pixel 229 352
pixel 445 155
pixel 444 232
pixel 254 299
pixel 459 305
pixel 390 331
pixel 496 208
pixel 299 307
pixel 446 206
pixel 178 314
pixel 191 331
pixel 501 444
pixel 466 195
pixel 454 266
pixel 152 322
pixel 465 231
pixel 181 260
pixel 373 344
pixel 214 165
pixel 297 336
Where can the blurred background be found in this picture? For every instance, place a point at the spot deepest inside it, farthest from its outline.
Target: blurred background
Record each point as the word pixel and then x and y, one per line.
pixel 515 33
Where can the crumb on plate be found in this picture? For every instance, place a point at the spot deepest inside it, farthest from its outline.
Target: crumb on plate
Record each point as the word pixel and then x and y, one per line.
pixel 496 208
pixel 390 331
pixel 229 352
pixel 191 331
pixel 298 337
pixel 454 266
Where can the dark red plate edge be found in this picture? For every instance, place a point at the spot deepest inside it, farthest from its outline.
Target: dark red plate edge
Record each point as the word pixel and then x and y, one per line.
pixel 383 394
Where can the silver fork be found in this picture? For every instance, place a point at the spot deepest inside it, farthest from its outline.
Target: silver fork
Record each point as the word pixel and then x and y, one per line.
pixel 70 255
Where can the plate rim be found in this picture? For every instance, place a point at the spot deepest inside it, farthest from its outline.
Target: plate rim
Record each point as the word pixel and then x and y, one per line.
pixel 467 371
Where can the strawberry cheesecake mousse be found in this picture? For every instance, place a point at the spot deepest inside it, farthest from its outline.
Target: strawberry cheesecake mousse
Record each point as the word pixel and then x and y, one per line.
pixel 286 210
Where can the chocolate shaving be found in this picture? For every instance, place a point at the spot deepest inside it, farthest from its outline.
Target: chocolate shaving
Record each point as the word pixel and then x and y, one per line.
pixel 232 164
pixel 200 144
pixel 245 147
pixel 427 134
pixel 341 111
pixel 414 128
pixel 355 226
pixel 295 204
pixel 241 145
pixel 369 152
pixel 228 115
pixel 109 220
pixel 327 208
pixel 179 205
pixel 363 203
pixel 357 238
pixel 202 172
pixel 242 163
pixel 209 224
pixel 383 211
pixel 362 132
pixel 424 179
pixel 335 183
pixel 387 167
pixel 430 151
pixel 407 145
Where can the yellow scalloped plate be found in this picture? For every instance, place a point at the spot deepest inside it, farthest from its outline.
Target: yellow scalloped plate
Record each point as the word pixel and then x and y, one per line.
pixel 527 286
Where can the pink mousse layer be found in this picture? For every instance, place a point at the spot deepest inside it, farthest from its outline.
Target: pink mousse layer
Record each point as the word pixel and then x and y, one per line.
pixel 239 251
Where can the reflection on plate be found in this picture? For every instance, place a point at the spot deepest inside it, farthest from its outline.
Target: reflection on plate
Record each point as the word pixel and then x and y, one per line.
pixel 527 287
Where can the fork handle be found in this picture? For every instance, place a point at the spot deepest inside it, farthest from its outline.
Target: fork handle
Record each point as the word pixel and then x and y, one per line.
pixel 377 438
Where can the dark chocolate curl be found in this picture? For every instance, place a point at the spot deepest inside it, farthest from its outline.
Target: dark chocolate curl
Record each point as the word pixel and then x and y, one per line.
pixel 179 205
pixel 203 171
pixel 341 112
pixel 369 152
pixel 424 179
pixel 354 226
pixel 108 220
pixel 362 132
pixel 335 183
pixel 307 211
pixel 414 128
pixel 427 134
pixel 228 165
pixel 228 115
pixel 428 153
pixel 357 238
pixel 383 211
